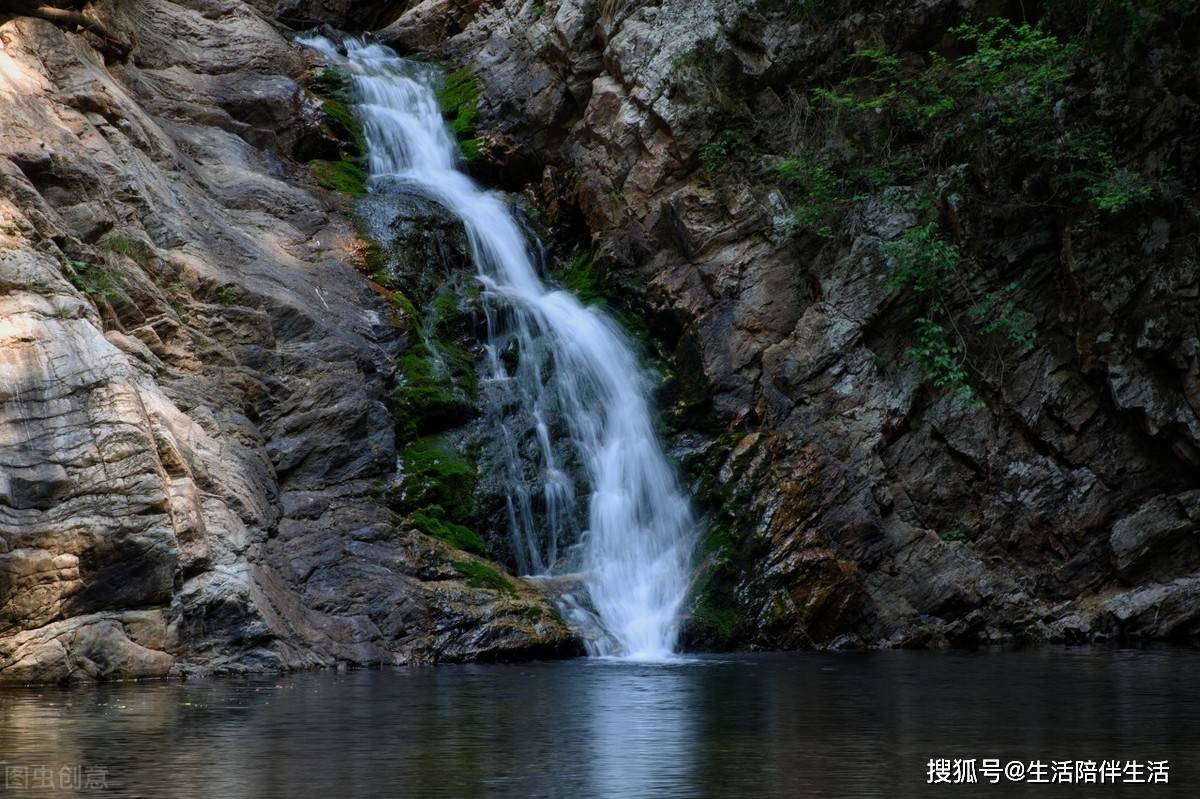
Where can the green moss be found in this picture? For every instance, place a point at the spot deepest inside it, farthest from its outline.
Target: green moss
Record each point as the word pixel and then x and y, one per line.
pixel 718 620
pixel 591 283
pixel 458 95
pixel 347 173
pixel 431 521
pixel 445 311
pixel 422 403
pixel 434 474
pixel 344 176
pixel 480 575
pixel 331 83
pixel 469 148
pixel 404 305
pixel 347 127
pixel 717 617
pixel 437 493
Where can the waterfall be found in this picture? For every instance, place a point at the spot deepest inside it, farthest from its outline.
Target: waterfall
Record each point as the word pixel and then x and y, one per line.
pixel 577 378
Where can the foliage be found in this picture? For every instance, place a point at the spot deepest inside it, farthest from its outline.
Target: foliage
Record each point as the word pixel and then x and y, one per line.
pixel 431 521
pixel 885 89
pixel 228 295
pixel 1019 69
pixel 1012 76
pixel 823 190
pixel 922 266
pixel 941 360
pixel 584 278
pixel 480 575
pixel 1000 316
pixel 124 244
pixel 922 263
pixel 725 151
pixel 1115 191
pixel 894 115
pixel 93 280
pixel 1086 165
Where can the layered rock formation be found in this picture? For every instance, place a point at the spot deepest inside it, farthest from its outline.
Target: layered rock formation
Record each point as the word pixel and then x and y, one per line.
pixel 193 376
pixel 1043 484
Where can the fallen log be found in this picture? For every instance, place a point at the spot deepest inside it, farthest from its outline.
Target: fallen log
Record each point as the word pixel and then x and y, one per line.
pixel 71 19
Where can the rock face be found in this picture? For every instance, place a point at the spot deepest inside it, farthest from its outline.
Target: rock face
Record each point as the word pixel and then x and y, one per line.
pixel 871 504
pixel 193 377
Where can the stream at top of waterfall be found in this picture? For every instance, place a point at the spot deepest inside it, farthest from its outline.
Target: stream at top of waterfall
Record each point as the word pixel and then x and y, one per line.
pixel 787 725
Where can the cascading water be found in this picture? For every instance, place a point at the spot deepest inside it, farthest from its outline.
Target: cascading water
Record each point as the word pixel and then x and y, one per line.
pixel 576 378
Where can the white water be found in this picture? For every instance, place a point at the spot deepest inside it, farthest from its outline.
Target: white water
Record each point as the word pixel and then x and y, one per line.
pixel 577 378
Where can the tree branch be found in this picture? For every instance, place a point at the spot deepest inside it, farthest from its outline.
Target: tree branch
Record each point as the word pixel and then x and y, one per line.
pixel 110 43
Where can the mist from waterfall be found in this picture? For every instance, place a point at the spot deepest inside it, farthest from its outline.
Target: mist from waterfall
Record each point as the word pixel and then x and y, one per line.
pixel 576 378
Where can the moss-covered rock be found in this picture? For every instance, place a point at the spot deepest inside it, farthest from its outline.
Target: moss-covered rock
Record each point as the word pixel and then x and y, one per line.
pixel 345 176
pixel 481 575
pixel 343 169
pixel 436 493
pixel 435 474
pixel 431 520
pixel 438 391
pixel 458 96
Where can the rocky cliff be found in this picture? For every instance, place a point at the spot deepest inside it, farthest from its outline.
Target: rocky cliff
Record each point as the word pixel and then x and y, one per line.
pixel 923 279
pixel 194 377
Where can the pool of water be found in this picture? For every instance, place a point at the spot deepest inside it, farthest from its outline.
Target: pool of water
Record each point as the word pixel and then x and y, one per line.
pixel 796 725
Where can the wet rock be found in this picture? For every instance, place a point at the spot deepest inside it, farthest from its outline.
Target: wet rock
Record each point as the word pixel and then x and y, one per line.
pixel 1164 529
pixel 883 513
pixel 194 377
pixel 1155 611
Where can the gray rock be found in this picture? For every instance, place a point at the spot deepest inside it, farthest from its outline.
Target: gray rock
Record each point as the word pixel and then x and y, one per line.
pixel 881 512
pixel 193 378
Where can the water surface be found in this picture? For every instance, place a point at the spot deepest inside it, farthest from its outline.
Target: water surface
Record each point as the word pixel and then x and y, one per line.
pixel 774 726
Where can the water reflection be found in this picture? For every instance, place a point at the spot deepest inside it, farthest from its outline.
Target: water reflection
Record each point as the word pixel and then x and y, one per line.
pixel 774 726
pixel 642 721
